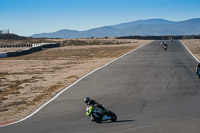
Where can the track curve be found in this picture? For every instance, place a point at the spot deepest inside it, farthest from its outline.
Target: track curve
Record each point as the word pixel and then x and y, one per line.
pixel 150 90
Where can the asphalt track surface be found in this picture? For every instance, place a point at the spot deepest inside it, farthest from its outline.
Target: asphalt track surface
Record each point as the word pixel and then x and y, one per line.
pixel 150 90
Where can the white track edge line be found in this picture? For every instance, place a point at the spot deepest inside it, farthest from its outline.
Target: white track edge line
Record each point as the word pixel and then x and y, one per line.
pixel 59 93
pixel 189 51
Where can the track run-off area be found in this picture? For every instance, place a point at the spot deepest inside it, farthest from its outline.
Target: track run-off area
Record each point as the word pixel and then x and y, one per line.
pixel 151 91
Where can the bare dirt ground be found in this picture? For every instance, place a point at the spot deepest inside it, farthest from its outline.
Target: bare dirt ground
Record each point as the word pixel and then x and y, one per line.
pixel 194 46
pixel 27 82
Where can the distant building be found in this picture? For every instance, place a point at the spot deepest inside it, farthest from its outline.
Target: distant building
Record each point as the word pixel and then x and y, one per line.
pixel 4 31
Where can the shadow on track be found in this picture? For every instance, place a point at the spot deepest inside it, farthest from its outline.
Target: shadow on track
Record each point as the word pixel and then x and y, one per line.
pixel 119 121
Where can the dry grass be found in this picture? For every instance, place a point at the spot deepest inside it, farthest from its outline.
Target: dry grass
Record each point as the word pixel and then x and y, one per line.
pixel 72 76
pixel 3 74
pixel 13 87
pixel 63 42
pixel 83 42
pixel 75 54
pixel 194 46
pixel 46 94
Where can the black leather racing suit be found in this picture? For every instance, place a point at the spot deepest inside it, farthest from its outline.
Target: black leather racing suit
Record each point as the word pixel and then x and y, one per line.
pixel 94 103
pixel 198 69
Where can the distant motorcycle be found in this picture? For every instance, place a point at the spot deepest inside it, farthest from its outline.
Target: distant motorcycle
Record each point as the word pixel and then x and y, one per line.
pixel 198 70
pixel 198 74
pixel 164 46
pixel 98 115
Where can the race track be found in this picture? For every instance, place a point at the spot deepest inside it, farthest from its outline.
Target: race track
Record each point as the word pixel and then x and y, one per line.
pixel 150 90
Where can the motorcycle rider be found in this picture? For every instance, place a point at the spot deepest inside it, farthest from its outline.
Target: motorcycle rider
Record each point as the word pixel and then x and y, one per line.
pixel 99 116
pixel 164 46
pixel 198 69
pixel 90 102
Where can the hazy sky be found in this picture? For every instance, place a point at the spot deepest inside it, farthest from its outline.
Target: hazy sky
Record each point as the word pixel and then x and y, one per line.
pixel 27 17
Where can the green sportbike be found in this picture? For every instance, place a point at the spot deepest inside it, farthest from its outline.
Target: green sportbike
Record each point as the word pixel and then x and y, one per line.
pixel 98 115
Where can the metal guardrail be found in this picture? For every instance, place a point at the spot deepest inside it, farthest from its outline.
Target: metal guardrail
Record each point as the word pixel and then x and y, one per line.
pixel 33 48
pixel 3 55
pixel 26 45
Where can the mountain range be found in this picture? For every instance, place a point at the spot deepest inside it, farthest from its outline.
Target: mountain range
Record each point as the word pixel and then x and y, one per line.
pixel 147 27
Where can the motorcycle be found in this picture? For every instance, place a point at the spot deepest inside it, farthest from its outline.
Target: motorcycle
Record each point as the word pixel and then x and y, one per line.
pixel 198 73
pixel 198 70
pixel 164 46
pixel 98 115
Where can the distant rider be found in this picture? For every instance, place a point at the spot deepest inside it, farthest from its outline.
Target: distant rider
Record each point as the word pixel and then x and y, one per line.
pixel 164 46
pixel 90 102
pixel 198 69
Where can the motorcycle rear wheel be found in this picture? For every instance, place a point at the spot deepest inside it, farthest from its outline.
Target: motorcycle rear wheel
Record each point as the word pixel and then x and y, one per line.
pixel 113 116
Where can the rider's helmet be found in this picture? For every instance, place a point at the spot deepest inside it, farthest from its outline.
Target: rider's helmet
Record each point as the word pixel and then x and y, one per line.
pixel 87 99
pixel 198 65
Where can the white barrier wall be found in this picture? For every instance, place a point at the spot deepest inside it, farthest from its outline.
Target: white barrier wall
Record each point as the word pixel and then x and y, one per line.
pixel 2 55
pixel 38 44
pixel 25 45
pixel 34 48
